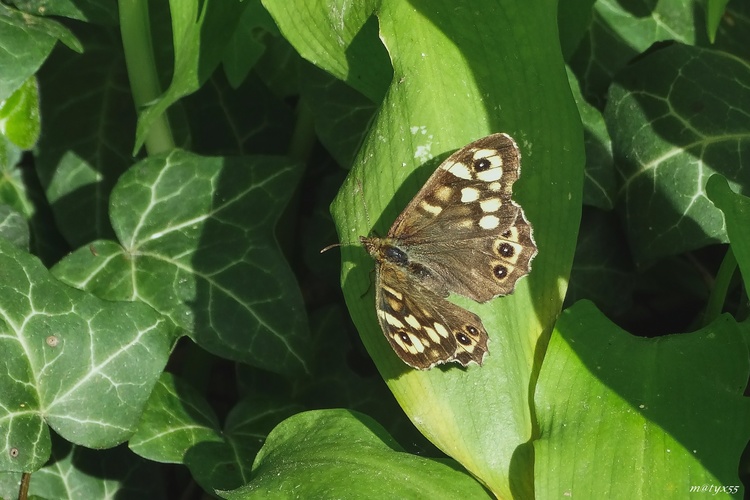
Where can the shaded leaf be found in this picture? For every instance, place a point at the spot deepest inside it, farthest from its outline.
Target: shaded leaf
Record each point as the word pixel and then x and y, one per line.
pixel 602 260
pixel 95 11
pixel 621 30
pixel 201 32
pixel 85 144
pixel 600 185
pixel 677 116
pixel 13 227
pixel 736 209
pixel 78 472
pixel 342 114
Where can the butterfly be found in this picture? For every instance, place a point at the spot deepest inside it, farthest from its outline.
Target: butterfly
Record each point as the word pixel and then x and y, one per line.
pixel 462 233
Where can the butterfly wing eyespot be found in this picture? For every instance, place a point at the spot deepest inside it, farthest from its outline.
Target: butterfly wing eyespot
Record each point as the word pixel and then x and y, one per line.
pixel 461 233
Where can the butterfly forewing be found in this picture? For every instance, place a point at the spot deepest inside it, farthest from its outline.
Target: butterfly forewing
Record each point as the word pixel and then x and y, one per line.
pixel 468 195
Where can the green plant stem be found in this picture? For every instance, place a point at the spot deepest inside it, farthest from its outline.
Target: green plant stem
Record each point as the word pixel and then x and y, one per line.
pixel 144 80
pixel 721 286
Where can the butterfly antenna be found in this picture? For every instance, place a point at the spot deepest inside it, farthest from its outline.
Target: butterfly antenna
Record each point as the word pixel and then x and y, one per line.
pixel 367 215
pixel 333 245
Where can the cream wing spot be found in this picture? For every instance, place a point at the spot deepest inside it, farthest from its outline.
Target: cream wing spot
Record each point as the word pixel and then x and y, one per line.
pixel 430 209
pixel 469 195
pixel 495 187
pixel 397 339
pixel 489 222
pixel 392 320
pixel 484 153
pixel 416 343
pixel 443 193
pixel 432 334
pixel 413 322
pixel 441 330
pixel 460 170
pixel 491 175
pixel 398 295
pixel 491 205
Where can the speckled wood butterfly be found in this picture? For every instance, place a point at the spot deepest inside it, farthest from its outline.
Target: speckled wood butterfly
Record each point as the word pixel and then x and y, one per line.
pixel 461 233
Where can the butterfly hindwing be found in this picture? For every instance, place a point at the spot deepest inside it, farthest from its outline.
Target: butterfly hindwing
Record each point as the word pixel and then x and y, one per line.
pixel 423 328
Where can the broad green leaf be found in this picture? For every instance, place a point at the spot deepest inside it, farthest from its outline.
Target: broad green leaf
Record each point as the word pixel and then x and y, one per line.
pixel 197 243
pixel 677 116
pixel 201 32
pixel 175 419
pixel 345 454
pixel 86 133
pixel 628 417
pixel 13 227
pixel 339 36
pixel 178 426
pixel 424 117
pixel 736 210
pixel 83 366
pixel 19 115
pixel 281 78
pixel 25 42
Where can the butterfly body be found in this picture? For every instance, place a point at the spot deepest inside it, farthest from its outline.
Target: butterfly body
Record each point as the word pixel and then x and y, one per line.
pixel 461 234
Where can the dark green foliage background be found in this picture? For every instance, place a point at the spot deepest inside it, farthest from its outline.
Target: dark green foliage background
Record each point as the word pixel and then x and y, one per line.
pixel 169 328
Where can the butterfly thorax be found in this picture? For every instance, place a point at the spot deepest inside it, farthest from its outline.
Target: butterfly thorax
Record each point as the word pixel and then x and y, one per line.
pixel 390 251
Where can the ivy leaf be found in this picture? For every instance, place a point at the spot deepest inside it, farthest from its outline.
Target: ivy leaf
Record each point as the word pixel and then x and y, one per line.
pixel 178 426
pixel 677 116
pixel 25 43
pixel 197 243
pixel 81 365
